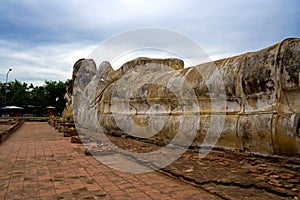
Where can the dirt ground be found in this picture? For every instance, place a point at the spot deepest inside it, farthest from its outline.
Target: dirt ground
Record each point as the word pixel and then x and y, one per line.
pixel 227 174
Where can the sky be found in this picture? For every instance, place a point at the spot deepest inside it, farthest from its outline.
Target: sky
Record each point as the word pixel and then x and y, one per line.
pixel 41 39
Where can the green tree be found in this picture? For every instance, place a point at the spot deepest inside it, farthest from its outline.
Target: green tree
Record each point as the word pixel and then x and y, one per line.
pixel 22 94
pixel 37 96
pixel 2 93
pixel 17 94
pixel 54 94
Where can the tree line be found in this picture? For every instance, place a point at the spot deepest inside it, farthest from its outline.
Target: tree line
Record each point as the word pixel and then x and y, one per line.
pixel 51 93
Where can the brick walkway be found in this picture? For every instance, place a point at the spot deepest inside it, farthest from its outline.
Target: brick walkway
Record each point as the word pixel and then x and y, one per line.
pixel 36 162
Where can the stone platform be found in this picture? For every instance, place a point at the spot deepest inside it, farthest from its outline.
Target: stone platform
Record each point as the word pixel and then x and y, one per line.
pixel 37 162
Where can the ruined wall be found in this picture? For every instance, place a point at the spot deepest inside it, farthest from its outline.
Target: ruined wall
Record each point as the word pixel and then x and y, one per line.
pixel 253 100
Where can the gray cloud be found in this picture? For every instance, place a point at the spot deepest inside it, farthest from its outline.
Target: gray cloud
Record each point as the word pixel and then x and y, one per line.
pixel 52 35
pixel 40 63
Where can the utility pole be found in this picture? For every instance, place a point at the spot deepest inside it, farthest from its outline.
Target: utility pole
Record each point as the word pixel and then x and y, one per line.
pixel 6 86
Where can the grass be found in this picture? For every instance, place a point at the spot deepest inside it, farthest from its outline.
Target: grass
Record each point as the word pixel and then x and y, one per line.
pixel 30 119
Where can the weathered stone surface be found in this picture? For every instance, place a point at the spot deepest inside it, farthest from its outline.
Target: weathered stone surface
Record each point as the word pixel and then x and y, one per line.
pixel 75 139
pixel 256 93
pixel 8 127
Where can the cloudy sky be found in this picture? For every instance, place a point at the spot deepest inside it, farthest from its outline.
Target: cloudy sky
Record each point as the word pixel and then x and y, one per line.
pixel 41 39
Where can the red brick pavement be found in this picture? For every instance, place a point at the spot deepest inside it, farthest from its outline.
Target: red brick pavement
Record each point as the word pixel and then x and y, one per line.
pixel 36 162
